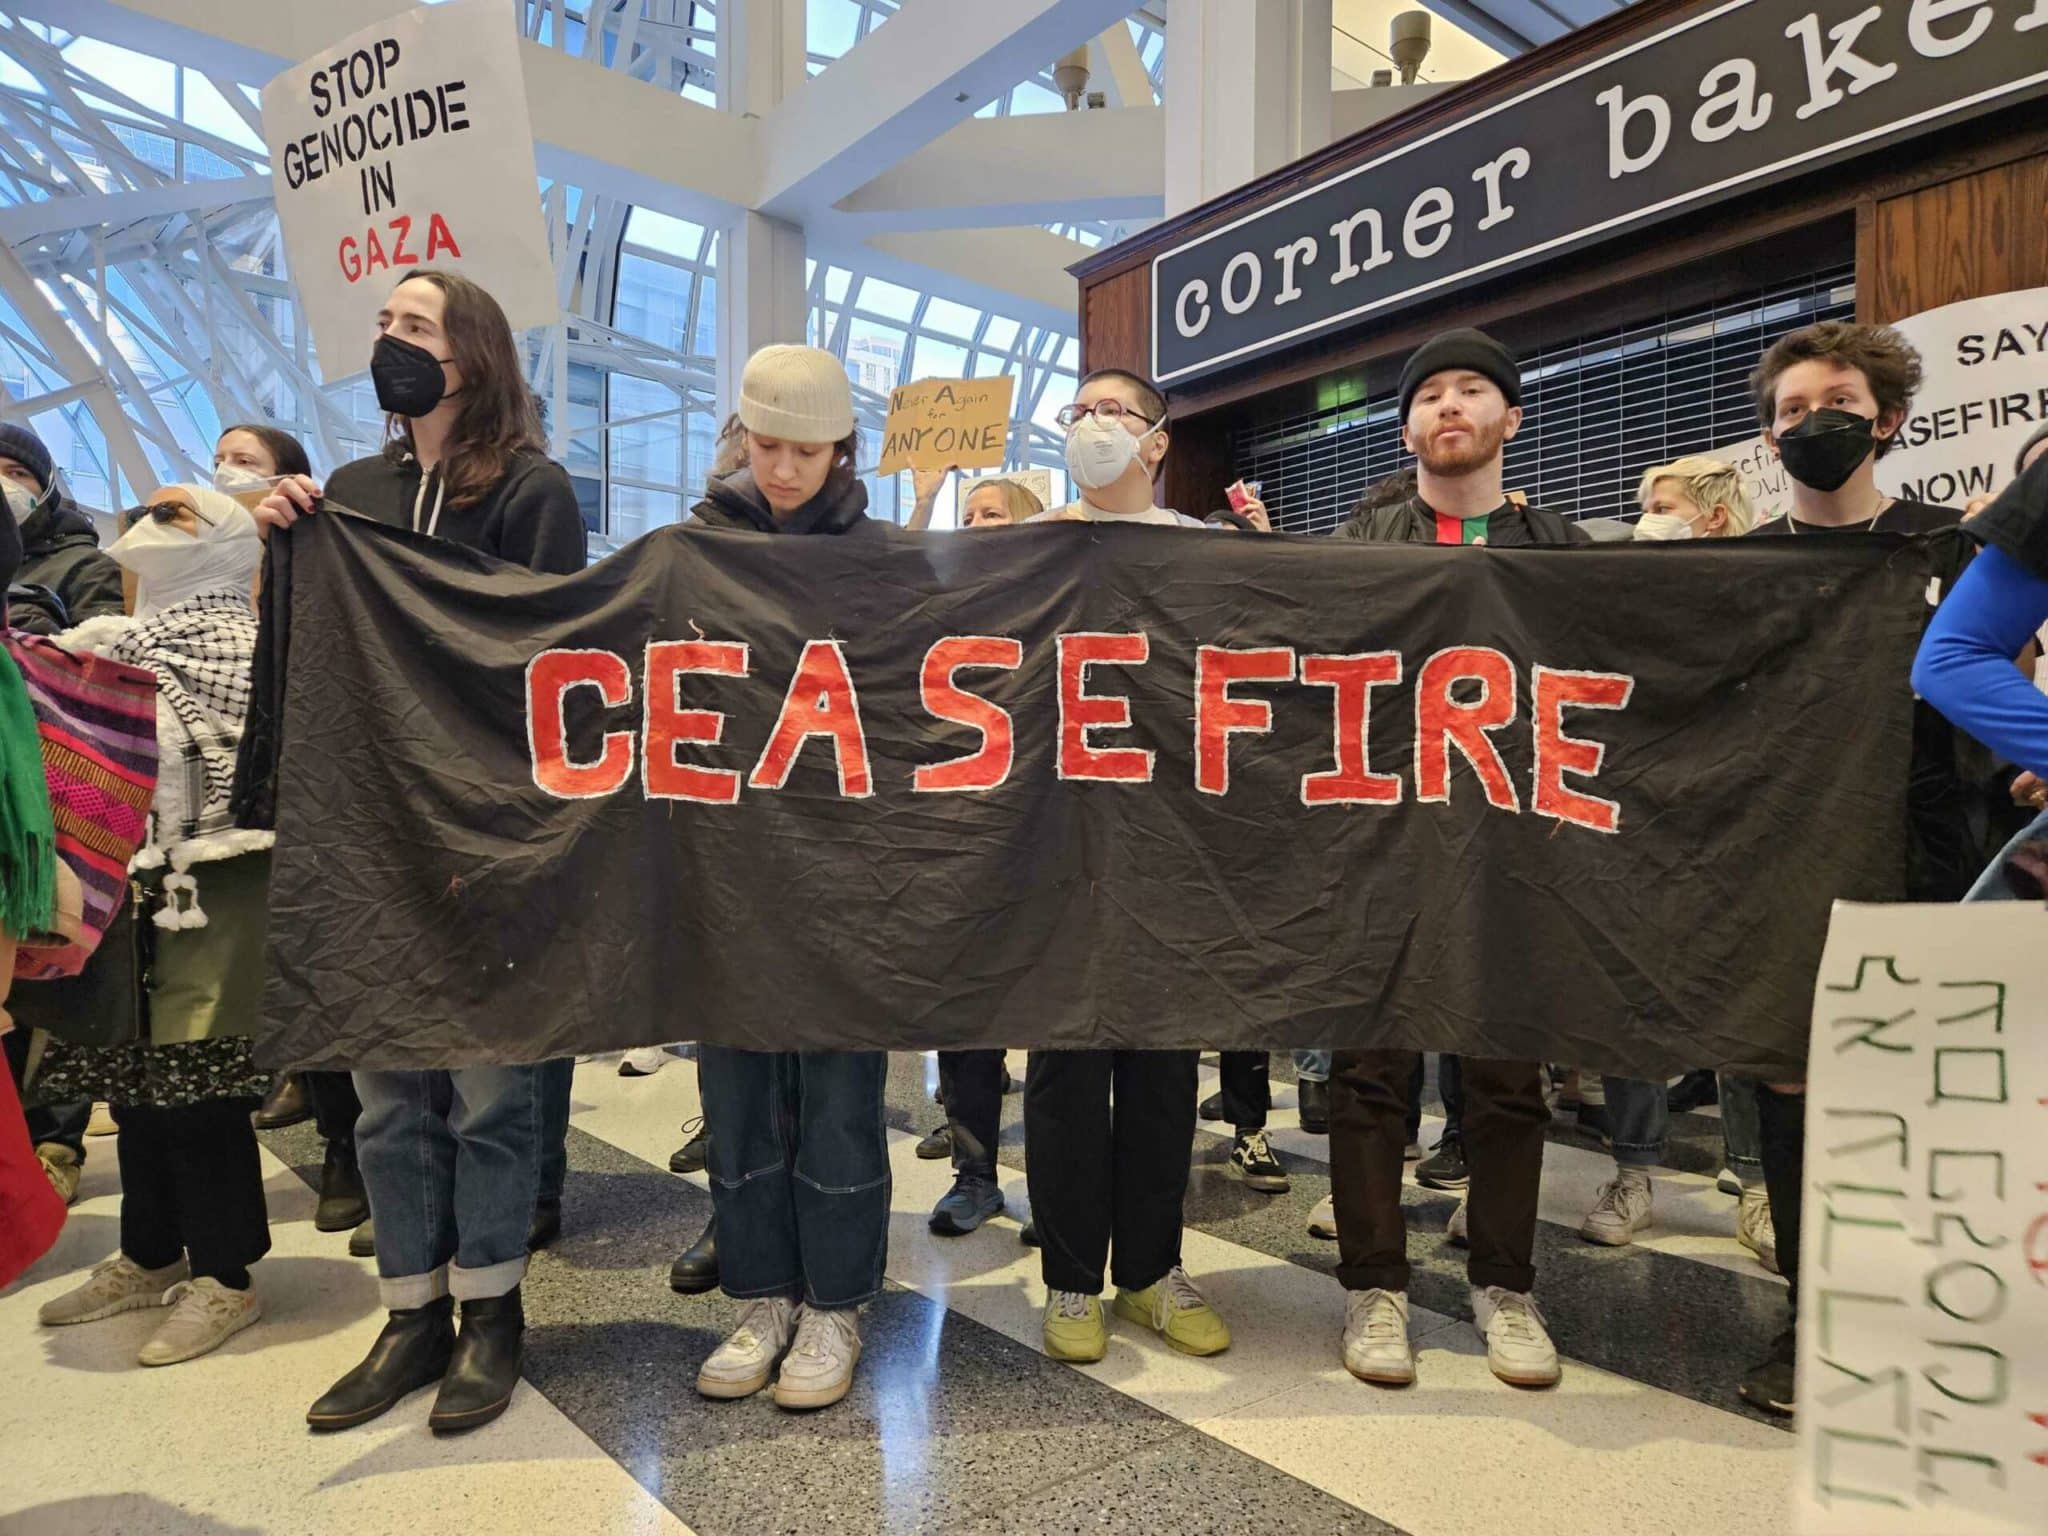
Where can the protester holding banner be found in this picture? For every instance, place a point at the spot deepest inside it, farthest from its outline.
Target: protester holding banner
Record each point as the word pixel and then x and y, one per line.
pixel 1109 1131
pixel 175 998
pixel 1461 396
pixel 452 1158
pixel 249 459
pixel 1965 665
pixel 972 1083
pixel 799 1161
pixel 1693 498
pixel 1831 399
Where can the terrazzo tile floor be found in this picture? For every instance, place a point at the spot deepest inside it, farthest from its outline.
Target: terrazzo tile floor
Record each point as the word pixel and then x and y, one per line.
pixel 957 1421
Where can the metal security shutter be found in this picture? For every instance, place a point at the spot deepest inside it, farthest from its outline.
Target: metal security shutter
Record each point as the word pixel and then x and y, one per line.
pixel 1597 411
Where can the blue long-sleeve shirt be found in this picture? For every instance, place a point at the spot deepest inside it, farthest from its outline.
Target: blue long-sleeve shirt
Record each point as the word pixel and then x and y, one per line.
pixel 1965 666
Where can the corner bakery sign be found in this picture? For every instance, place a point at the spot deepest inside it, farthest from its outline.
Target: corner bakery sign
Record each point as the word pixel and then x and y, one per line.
pixel 1741 94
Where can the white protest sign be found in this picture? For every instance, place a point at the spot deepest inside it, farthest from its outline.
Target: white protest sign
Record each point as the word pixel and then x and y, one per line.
pixel 1764 479
pixel 1985 391
pixel 408 145
pixel 1923 1302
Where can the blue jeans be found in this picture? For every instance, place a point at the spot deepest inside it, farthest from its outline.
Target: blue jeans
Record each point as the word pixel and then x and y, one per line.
pixel 1639 1116
pixel 451 1161
pixel 799 1172
pixel 1991 885
pixel 557 1080
pixel 1312 1066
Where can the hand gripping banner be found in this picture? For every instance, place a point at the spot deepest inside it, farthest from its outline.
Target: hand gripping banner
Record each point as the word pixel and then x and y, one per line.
pixel 1073 785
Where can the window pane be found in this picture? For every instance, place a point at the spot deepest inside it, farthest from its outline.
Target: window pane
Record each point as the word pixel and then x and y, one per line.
pixel 874 355
pixel 885 299
pixel 955 320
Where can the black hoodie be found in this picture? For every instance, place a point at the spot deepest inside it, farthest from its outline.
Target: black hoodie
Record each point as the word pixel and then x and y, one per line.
pixel 60 549
pixel 530 516
pixel 736 502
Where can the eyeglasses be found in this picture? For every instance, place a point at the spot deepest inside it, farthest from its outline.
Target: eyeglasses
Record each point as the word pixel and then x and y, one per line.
pixel 1070 416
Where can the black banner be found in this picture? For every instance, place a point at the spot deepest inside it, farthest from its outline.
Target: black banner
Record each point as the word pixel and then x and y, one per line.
pixel 1735 96
pixel 1075 785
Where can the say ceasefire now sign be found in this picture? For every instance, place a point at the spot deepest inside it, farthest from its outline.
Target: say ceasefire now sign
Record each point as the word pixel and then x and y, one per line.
pixel 1738 95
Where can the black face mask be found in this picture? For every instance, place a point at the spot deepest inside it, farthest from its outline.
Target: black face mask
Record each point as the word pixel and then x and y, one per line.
pixel 1822 452
pixel 410 380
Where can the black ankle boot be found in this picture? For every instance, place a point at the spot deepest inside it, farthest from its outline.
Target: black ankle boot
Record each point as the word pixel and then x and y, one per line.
pixel 344 1205
pixel 412 1352
pixel 545 1226
pixel 697 1270
pixel 485 1367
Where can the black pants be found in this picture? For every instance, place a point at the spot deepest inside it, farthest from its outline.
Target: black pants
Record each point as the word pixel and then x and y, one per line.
pixel 1370 1092
pixel 1450 1087
pixel 1781 1123
pixel 1247 1088
pixel 62 1124
pixel 192 1184
pixel 971 1083
pixel 1106 1140
pixel 335 1107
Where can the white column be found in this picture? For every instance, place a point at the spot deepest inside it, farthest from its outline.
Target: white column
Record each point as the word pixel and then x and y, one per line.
pixel 1247 90
pixel 762 298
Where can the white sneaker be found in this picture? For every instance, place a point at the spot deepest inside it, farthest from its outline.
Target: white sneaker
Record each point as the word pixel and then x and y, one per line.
pixel 116 1285
pixel 1376 1347
pixel 1412 1153
pixel 1458 1230
pixel 204 1315
pixel 819 1366
pixel 1322 1221
pixel 1726 1182
pixel 644 1062
pixel 741 1366
pixel 1622 1210
pixel 1754 1228
pixel 1518 1347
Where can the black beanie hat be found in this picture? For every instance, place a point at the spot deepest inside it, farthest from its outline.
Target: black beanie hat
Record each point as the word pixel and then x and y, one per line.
pixel 1464 348
pixel 27 450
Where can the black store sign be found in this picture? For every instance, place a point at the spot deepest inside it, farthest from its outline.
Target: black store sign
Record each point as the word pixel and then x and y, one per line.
pixel 1742 94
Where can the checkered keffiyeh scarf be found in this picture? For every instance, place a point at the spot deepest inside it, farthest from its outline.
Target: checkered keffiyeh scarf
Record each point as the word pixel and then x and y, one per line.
pixel 202 652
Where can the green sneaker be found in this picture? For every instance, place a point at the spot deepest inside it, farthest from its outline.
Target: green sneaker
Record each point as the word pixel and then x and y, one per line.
pixel 1173 1307
pixel 1075 1330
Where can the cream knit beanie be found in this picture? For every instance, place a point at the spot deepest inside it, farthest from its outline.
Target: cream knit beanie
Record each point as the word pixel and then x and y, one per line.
pixel 796 393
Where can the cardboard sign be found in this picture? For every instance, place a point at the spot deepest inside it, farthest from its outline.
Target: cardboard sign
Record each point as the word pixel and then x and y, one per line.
pixel 948 423
pixel 1923 1304
pixel 407 145
pixel 1985 390
pixel 1764 479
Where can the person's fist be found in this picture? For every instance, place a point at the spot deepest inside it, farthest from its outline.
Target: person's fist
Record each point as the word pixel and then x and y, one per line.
pixel 289 500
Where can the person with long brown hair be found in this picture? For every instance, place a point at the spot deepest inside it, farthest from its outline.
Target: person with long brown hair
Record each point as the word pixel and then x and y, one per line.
pixel 453 1159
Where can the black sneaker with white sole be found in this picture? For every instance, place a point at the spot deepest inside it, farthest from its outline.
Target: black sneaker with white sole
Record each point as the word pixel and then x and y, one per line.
pixel 1445 1168
pixel 1254 1159
pixel 1770 1386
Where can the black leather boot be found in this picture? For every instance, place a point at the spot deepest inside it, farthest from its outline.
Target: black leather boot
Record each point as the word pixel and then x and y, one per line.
pixel 546 1225
pixel 1315 1107
pixel 697 1270
pixel 485 1367
pixel 287 1103
pixel 412 1352
pixel 344 1205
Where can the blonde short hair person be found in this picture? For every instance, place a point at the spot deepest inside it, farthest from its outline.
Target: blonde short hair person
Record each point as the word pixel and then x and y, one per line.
pixel 1693 498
